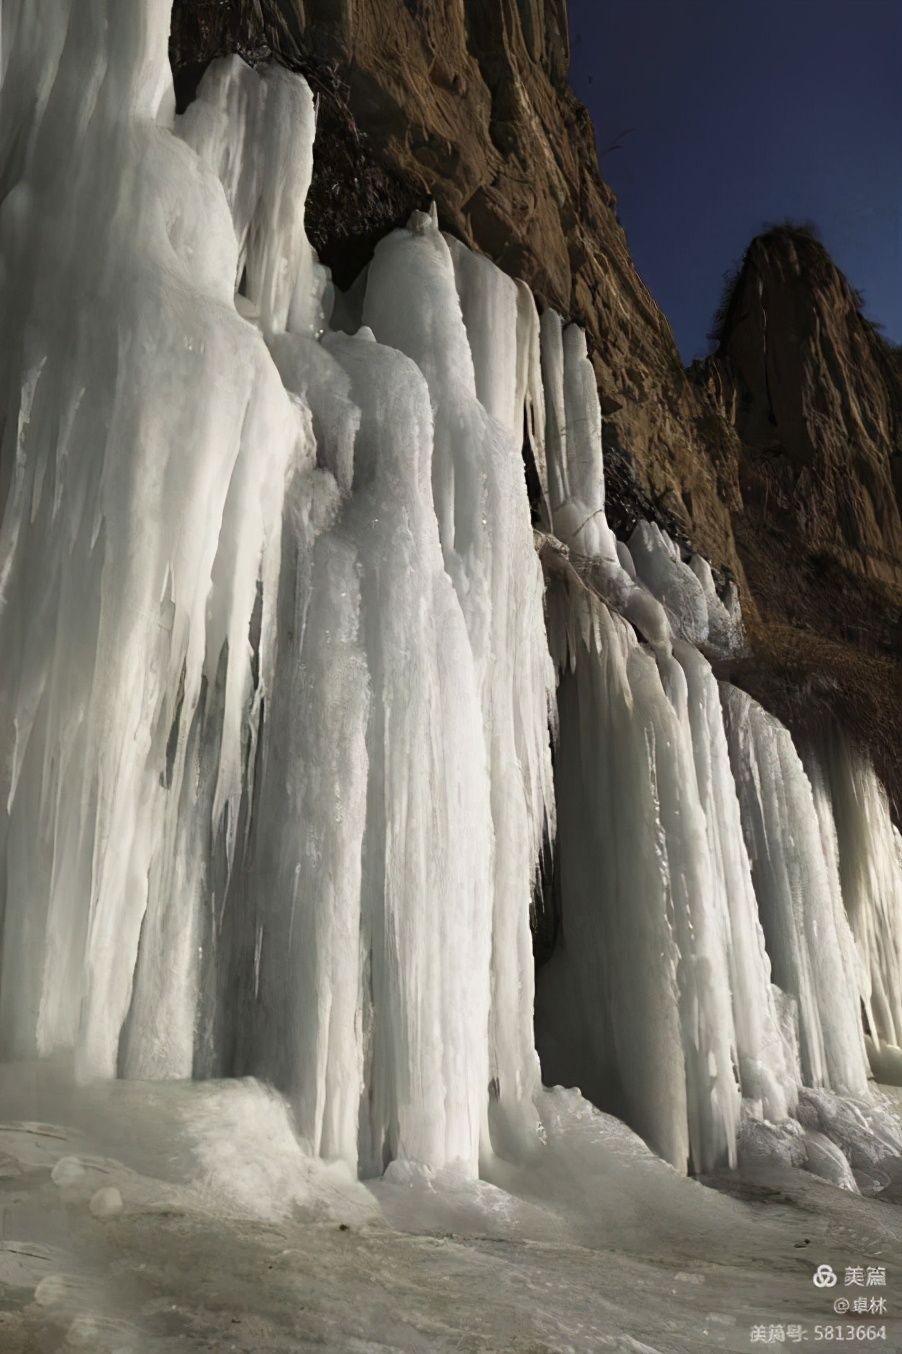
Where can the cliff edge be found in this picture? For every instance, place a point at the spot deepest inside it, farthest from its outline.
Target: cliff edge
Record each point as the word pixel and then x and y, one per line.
pixel 813 393
pixel 778 457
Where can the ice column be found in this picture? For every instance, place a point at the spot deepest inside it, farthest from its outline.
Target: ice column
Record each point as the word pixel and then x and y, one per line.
pixel 634 1005
pixel 799 897
pixel 870 866
pixel 607 1013
pixel 146 443
pixel 277 758
pixel 573 440
pixel 413 302
pixel 766 1066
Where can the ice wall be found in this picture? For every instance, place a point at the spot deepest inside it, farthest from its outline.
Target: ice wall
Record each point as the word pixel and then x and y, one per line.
pixel 869 858
pixel 799 898
pixel 658 1001
pixel 277 697
pixel 276 746
pixel 705 970
pixel 146 442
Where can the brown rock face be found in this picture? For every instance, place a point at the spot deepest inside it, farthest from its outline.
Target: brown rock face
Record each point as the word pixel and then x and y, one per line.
pixel 814 395
pixel 466 102
pixel 816 399
pixel 779 457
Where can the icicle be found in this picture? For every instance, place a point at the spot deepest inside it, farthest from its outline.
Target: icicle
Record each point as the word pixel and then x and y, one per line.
pixel 725 631
pixel 870 866
pixel 124 543
pixel 255 130
pixel 607 1015
pixel 798 895
pixel 530 391
pixel 480 500
pixel 279 748
pixel 673 583
pixel 276 768
pixel 573 442
pixel 765 1069
pixel 640 979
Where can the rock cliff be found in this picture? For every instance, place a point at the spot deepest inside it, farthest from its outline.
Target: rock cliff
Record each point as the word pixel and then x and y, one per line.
pixel 813 393
pixel 778 457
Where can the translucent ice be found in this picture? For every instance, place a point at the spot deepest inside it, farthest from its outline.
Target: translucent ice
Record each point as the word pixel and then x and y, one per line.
pixel 870 864
pixel 147 446
pixel 275 758
pixel 573 441
pixel 278 761
pixel 634 1005
pixel 725 631
pixel 659 566
pixel 799 897
pixel 765 1064
pixel 412 303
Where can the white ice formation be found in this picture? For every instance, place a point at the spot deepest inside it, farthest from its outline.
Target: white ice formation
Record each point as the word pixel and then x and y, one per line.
pixel 277 696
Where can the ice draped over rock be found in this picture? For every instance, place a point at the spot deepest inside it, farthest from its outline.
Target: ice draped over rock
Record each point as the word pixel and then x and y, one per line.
pixel 280 680
pixel 692 841
pixel 146 443
pixel 279 757
pixel 869 858
pixel 652 866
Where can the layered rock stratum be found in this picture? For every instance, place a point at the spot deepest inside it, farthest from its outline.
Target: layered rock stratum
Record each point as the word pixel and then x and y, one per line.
pixel 779 457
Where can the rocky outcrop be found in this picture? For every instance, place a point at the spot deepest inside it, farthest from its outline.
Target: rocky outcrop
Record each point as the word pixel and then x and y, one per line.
pixel 815 396
pixel 467 103
pixel 778 458
pixel 813 393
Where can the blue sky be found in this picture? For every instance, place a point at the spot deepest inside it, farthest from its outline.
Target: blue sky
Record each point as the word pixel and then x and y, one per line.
pixel 728 114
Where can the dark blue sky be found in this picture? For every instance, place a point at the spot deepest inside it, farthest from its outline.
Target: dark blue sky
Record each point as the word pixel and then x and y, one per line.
pixel 744 112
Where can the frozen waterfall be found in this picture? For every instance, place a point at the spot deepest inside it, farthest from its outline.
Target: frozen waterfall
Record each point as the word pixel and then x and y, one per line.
pixel 282 677
pixel 279 759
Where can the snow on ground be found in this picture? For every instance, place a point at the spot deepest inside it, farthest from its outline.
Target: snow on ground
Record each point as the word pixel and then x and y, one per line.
pixel 187 1216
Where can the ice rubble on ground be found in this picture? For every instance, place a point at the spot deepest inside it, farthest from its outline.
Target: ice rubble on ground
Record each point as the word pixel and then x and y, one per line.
pixel 231 1235
pixel 277 762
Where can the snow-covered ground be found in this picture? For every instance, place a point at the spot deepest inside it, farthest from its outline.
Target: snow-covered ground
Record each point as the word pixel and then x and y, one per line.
pixel 183 1216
